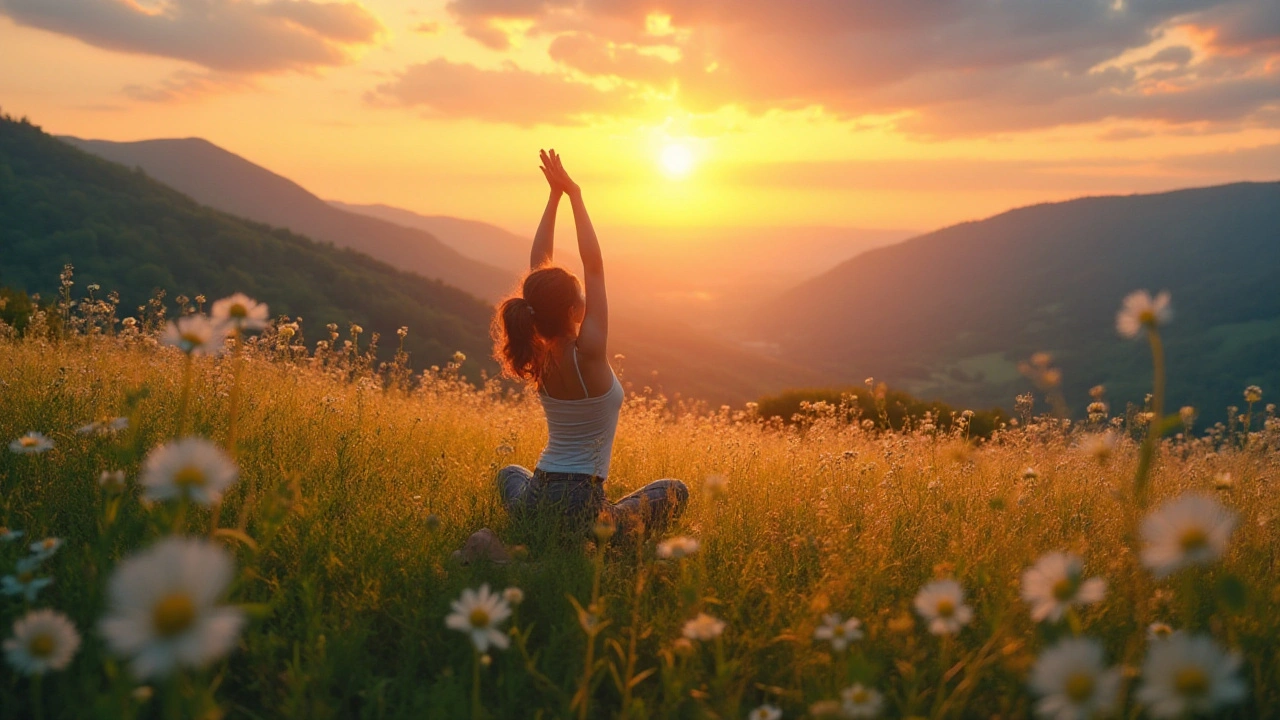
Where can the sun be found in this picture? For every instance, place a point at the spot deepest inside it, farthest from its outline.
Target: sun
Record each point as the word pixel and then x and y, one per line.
pixel 676 160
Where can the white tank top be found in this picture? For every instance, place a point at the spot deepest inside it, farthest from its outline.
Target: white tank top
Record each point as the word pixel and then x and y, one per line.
pixel 580 432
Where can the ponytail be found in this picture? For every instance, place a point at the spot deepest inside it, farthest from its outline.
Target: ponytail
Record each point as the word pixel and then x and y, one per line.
pixel 524 326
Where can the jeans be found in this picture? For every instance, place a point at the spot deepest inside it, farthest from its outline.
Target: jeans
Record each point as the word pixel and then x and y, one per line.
pixel 579 499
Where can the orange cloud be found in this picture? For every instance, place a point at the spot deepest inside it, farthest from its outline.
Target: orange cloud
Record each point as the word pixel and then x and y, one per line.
pixel 225 36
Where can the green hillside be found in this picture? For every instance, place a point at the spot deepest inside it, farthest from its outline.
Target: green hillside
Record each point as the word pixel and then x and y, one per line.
pixel 950 314
pixel 129 233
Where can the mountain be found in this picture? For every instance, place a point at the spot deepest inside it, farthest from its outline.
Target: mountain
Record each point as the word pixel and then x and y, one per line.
pixel 477 240
pixel 228 182
pixel 129 233
pixel 949 314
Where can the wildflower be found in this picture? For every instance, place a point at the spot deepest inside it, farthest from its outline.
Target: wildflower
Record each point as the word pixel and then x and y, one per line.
pixel 112 481
pixel 402 331
pixel 1055 583
pixel 459 357
pixel 45 549
pixel 104 427
pixel 1072 682
pixel 604 529
pixel 42 640
pixel 860 702
pixel 715 485
pixel 1029 473
pixel 765 712
pixel 192 468
pixel 1159 631
pixel 7 535
pixel 1253 394
pixel 704 627
pixel 1097 410
pixel 1187 414
pixel 33 443
pixel 1140 311
pixel 513 595
pixel 682 647
pixel 1099 446
pixel 162 609
pixel 195 335
pixel 677 547
pixel 1189 674
pixel 1191 530
pixel 24 581
pixel 838 632
pixel 1223 481
pixel 479 614
pixel 941 604
pixel 143 693
pixel 240 311
pixel 825 708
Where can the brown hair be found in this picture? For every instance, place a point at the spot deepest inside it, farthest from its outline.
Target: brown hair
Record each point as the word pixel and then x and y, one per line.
pixel 525 325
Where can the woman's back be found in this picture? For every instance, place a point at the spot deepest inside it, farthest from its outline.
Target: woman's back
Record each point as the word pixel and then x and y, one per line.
pixel 581 428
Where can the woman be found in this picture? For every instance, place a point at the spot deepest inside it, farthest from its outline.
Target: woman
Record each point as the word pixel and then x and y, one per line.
pixel 554 337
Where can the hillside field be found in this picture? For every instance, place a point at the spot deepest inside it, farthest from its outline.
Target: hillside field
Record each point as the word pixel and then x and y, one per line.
pixel 354 489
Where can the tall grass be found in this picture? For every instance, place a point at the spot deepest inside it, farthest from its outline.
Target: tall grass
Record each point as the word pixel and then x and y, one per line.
pixel 355 489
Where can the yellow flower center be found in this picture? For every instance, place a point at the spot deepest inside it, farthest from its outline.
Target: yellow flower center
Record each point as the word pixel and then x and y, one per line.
pixel 860 696
pixel 1191 681
pixel 1147 317
pixel 41 646
pixel 192 339
pixel 1079 687
pixel 26 577
pixel 837 631
pixel 946 608
pixel 189 477
pixel 238 310
pixel 174 614
pixel 478 618
pixel 1193 539
pixel 28 441
pixel 1064 589
pixel 49 544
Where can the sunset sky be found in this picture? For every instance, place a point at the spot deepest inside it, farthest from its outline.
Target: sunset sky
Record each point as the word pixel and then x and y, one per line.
pixel 909 114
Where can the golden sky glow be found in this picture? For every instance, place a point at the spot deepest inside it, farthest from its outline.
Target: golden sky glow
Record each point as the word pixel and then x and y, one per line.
pixel 692 113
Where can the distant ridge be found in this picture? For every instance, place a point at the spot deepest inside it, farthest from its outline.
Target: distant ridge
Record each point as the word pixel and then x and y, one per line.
pixel 475 239
pixel 224 180
pixel 948 314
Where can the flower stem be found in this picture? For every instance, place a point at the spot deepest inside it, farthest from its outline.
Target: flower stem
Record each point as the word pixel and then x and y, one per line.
pixel 185 398
pixel 1156 426
pixel 477 711
pixel 37 696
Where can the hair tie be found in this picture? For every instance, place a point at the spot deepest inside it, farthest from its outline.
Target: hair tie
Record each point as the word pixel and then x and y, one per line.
pixel 530 308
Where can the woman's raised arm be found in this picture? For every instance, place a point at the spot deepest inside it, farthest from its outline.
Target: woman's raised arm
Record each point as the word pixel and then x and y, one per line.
pixel 544 240
pixel 594 334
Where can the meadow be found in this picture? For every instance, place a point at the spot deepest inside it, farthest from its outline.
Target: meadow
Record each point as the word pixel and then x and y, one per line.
pixel 352 482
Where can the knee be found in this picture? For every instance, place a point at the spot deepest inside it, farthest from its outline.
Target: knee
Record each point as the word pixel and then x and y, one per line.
pixel 677 491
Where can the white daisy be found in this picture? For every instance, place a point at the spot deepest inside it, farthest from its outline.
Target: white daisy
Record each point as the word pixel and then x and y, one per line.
pixel 1057 582
pixel 1186 674
pixel 240 311
pixel 765 712
pixel 7 535
pixel 163 611
pixel 104 427
pixel 24 581
pixel 677 547
pixel 191 468
pixel 941 604
pixel 112 481
pixel 479 614
pixel 1141 310
pixel 704 627
pixel 46 548
pixel 860 702
pixel 195 335
pixel 43 640
pixel 1072 682
pixel 1193 529
pixel 33 443
pixel 837 631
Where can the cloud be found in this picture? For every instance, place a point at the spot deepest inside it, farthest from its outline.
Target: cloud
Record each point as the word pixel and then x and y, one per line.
pixel 187 85
pixel 949 67
pixel 509 94
pixel 223 36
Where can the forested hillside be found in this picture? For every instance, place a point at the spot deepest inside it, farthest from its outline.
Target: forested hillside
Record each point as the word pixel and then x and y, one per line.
pixel 129 233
